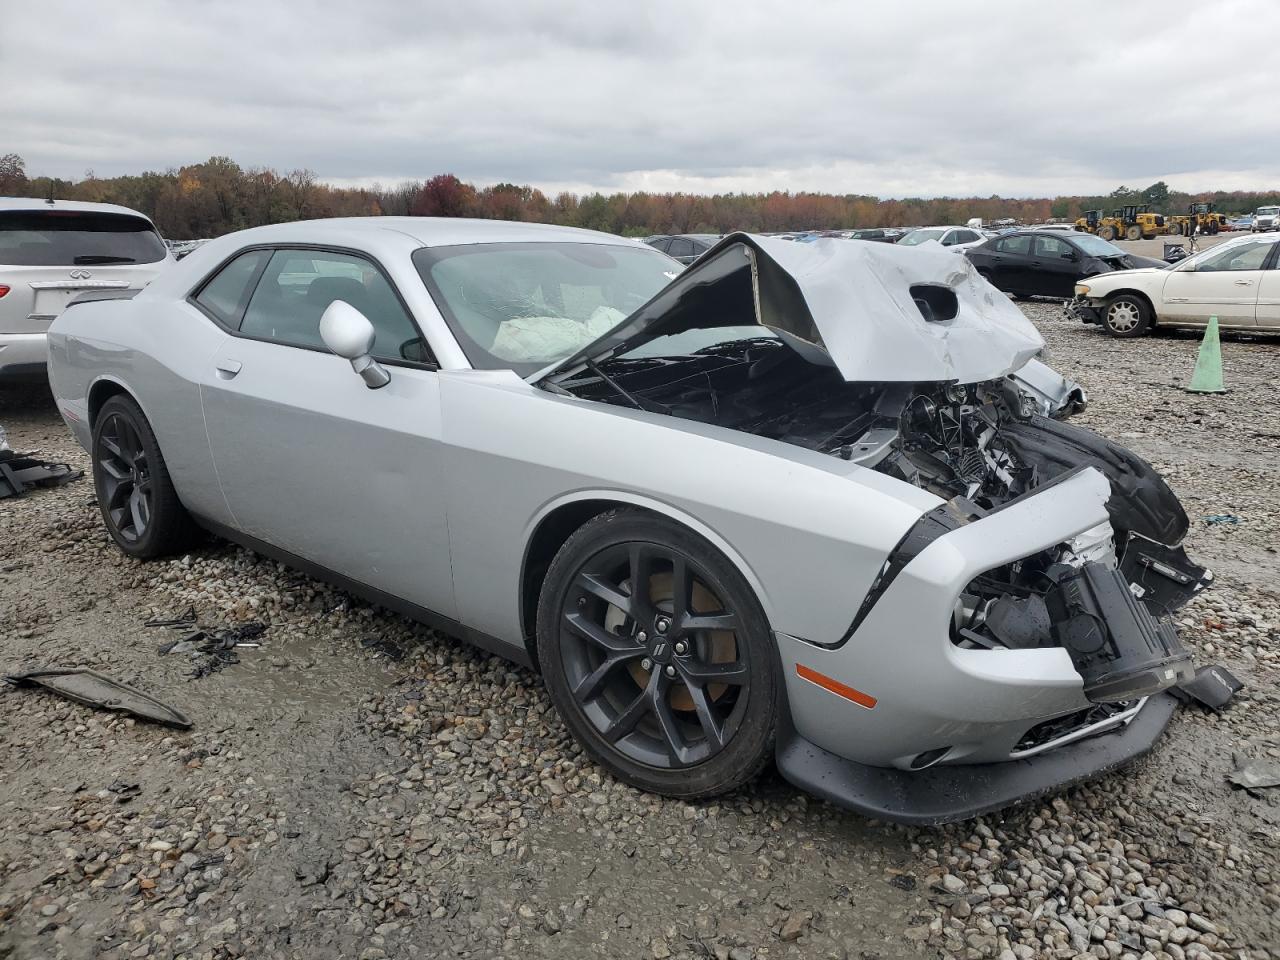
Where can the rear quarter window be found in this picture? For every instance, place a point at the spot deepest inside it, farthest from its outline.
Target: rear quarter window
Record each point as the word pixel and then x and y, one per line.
pixel 64 238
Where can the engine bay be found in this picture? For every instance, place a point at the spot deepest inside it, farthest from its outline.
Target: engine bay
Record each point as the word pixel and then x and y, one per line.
pixel 1105 596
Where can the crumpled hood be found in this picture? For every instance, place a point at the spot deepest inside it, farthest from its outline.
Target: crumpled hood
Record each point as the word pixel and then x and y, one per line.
pixel 876 312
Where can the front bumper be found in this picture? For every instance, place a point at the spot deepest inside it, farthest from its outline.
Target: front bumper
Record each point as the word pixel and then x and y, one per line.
pixel 1085 309
pixel 24 357
pixel 945 794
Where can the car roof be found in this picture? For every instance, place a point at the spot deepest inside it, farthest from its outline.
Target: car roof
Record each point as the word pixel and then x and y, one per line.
pixel 427 231
pixel 37 205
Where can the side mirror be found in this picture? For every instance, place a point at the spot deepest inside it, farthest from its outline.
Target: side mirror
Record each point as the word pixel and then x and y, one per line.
pixel 1069 256
pixel 348 333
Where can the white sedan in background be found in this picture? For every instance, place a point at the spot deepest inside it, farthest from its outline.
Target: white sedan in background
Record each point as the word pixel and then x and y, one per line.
pixel 1238 282
pixel 954 238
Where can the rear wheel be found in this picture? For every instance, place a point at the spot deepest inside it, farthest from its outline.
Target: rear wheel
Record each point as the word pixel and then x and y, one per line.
pixel 1126 315
pixel 139 506
pixel 1175 229
pixel 658 656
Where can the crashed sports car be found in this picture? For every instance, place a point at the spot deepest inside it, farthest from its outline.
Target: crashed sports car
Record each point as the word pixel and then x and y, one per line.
pixel 810 503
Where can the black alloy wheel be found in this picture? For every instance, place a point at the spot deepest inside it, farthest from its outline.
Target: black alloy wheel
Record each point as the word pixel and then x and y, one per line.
pixel 127 492
pixel 139 505
pixel 655 654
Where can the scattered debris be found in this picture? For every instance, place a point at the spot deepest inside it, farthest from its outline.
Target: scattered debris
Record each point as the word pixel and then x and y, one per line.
pixel 1255 774
pixel 125 791
pixel 20 472
pixel 1218 519
pixel 94 689
pixel 1212 687
pixel 217 645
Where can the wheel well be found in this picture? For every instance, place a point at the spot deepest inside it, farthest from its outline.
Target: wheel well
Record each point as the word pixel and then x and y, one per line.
pixel 1141 296
pixel 100 393
pixel 550 535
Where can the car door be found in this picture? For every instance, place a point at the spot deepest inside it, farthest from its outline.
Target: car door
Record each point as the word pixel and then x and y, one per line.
pixel 1268 309
pixel 309 459
pixel 1010 257
pixel 1053 268
pixel 1224 283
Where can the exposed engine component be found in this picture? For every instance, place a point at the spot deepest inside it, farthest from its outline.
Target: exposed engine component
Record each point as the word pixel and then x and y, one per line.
pixel 976 446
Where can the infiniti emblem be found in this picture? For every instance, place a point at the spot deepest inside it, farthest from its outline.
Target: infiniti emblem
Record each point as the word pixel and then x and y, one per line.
pixel 80 274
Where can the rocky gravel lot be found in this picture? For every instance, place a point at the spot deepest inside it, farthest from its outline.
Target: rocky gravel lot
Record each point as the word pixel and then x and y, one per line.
pixel 360 787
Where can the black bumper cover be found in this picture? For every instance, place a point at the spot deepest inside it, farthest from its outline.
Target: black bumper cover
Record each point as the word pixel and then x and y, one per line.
pixel 1084 312
pixel 945 794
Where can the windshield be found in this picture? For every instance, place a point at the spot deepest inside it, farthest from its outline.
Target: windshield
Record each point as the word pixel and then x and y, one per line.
pixel 522 306
pixel 1268 211
pixel 920 236
pixel 1096 246
pixel 65 238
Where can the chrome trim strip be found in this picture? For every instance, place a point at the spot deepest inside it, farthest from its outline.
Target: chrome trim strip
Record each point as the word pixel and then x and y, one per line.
pixel 1121 719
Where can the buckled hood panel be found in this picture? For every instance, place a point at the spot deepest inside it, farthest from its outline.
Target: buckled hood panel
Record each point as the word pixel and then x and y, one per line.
pixel 874 311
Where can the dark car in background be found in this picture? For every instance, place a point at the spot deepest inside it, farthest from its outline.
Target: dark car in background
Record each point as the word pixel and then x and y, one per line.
pixel 685 247
pixel 876 234
pixel 1044 263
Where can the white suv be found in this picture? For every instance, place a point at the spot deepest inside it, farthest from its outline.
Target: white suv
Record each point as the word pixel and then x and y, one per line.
pixel 1265 219
pixel 53 251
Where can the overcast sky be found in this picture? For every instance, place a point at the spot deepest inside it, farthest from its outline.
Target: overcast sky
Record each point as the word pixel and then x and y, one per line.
pixel 899 98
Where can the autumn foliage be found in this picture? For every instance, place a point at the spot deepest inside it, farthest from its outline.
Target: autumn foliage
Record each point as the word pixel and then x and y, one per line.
pixel 217 196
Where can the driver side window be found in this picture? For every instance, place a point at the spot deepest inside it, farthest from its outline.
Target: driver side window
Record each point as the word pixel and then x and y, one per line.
pixel 1243 256
pixel 298 285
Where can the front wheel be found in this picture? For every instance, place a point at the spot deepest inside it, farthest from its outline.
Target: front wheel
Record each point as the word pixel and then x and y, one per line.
pixel 1126 316
pixel 658 657
pixel 139 505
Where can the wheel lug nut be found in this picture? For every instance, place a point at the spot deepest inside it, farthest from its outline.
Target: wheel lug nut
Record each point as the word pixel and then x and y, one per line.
pixel 661 624
pixel 642 637
pixel 646 664
pixel 681 647
pixel 671 671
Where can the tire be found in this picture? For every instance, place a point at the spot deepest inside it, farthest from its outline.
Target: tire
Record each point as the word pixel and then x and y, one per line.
pixel 139 506
pixel 1126 315
pixel 1133 232
pixel 1175 229
pixel 703 724
pixel 1107 232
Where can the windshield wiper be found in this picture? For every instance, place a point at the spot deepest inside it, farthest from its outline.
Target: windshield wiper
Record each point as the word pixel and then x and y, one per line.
pixel 103 259
pixel 733 346
pixel 638 402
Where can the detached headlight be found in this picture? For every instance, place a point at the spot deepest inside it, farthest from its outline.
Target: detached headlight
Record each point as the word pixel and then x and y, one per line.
pixel 1082 289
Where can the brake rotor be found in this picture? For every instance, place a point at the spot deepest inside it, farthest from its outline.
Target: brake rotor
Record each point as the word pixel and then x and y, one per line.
pixel 721 646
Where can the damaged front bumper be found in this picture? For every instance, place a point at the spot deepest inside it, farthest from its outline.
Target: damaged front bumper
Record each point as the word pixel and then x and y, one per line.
pixel 1085 309
pixel 942 731
pixel 946 794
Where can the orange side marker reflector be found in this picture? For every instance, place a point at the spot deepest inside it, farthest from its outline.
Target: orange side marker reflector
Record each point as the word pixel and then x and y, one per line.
pixel 836 687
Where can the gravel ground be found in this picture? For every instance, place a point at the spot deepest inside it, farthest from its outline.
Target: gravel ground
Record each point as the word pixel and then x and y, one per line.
pixel 360 787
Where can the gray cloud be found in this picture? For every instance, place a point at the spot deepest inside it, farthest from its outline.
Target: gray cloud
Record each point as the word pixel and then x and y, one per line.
pixel 920 98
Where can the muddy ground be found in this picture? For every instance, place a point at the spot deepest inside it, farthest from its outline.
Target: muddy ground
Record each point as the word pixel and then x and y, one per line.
pixel 360 787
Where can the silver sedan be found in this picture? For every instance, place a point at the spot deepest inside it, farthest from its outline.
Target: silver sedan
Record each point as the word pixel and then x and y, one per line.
pixel 812 503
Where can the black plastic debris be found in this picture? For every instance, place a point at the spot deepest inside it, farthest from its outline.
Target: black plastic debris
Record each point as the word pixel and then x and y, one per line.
pixel 21 472
pixel 213 647
pixel 1212 686
pixel 94 689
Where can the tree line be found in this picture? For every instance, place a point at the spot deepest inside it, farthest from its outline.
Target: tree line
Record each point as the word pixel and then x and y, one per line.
pixel 219 195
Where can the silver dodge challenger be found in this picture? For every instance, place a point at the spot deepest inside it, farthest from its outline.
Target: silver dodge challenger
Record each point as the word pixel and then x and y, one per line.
pixel 816 504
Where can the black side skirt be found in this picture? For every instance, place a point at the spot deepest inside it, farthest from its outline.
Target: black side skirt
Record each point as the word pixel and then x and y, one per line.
pixel 945 794
pixel 516 654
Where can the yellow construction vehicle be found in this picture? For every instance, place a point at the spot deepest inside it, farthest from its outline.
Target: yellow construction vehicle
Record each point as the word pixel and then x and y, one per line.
pixel 1130 222
pixel 1201 219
